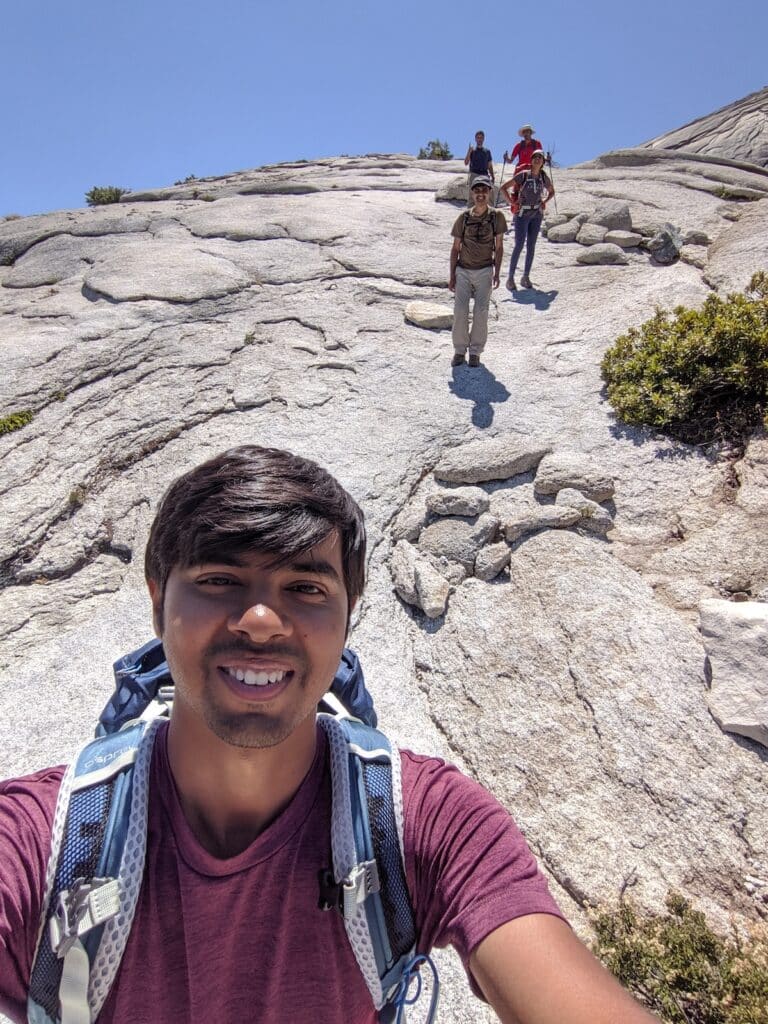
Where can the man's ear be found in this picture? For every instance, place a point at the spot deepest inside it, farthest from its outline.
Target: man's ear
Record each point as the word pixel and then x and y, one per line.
pixel 156 596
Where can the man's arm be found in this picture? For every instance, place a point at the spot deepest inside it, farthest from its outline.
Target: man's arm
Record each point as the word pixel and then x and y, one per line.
pixel 455 250
pixel 469 154
pixel 533 970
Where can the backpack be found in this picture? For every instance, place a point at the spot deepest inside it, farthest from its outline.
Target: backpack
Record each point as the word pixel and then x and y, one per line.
pixel 479 160
pixel 530 193
pixel 98 846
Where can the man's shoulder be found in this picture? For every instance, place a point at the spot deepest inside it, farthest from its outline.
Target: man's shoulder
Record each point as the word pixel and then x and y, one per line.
pixel 30 800
pixel 458 224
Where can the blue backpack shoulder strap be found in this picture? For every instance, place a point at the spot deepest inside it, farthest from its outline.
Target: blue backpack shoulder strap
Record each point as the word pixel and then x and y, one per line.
pixel 93 879
pixel 369 864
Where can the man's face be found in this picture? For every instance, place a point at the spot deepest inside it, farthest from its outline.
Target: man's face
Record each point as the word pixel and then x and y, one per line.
pixel 480 195
pixel 479 139
pixel 252 649
pixel 527 135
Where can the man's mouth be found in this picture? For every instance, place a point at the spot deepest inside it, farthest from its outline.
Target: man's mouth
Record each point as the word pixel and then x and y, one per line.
pixel 251 677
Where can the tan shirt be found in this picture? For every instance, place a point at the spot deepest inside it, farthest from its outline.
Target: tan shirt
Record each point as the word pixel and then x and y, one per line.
pixel 478 237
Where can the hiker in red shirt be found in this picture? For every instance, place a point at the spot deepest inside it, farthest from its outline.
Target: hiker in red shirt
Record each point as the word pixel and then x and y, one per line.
pixel 524 150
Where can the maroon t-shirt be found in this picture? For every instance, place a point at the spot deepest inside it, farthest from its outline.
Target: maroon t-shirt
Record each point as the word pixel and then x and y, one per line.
pixel 242 939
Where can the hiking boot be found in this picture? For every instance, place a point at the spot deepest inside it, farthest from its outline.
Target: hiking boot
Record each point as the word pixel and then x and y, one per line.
pixel 458 359
pixel 511 286
pixel 474 360
pixel 527 282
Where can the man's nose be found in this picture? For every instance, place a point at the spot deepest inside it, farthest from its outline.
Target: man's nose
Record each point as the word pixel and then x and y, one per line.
pixel 260 622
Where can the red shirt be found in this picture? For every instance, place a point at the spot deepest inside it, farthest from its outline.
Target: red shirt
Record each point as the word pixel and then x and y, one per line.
pixel 242 939
pixel 523 152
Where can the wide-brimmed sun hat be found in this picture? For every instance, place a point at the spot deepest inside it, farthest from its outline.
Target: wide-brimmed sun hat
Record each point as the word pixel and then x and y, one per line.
pixel 526 128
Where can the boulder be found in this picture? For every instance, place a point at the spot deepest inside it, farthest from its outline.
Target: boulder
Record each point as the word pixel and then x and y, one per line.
pixel 453 191
pixel 432 589
pixel 491 560
pixel 591 234
pixel 571 469
pixel 624 239
pixel 666 245
pixel 694 255
pixel 564 232
pixel 410 521
pixel 612 214
pixel 431 315
pixel 593 517
pixel 461 501
pixel 603 254
pixel 497 458
pixel 553 220
pixel 459 540
pixel 736 641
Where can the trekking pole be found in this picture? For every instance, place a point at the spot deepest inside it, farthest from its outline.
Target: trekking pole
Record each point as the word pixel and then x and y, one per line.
pixel 501 180
pixel 550 154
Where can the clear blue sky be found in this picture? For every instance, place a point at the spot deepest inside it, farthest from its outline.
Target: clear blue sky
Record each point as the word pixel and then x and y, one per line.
pixel 143 94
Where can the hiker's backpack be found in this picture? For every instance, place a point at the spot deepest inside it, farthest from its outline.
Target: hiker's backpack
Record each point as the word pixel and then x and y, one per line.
pixel 98 847
pixel 479 160
pixel 531 191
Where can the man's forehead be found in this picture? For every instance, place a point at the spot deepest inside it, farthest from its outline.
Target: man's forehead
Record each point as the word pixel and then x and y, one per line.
pixel 323 557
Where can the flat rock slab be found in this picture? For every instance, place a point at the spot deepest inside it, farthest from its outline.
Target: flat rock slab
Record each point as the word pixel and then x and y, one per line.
pixel 736 641
pixel 165 270
pixel 497 458
pixel 571 469
pixel 430 315
pixel 591 234
pixel 624 239
pixel 603 254
pixel 532 518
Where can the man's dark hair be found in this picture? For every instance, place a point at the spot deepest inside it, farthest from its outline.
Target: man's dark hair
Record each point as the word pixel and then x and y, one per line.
pixel 254 499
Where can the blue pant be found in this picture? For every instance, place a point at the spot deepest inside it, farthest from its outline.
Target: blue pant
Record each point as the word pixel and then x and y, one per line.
pixel 527 227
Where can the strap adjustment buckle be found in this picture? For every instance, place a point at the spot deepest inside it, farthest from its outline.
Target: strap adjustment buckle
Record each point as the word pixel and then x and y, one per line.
pixel 86 905
pixel 362 880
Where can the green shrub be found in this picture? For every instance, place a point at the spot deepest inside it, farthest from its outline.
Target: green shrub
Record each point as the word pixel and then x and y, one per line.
pixel 15 421
pixel 102 195
pixel 435 150
pixel 700 375
pixel 682 970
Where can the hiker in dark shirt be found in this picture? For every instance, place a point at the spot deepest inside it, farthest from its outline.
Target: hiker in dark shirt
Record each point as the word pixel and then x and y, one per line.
pixel 527 193
pixel 479 161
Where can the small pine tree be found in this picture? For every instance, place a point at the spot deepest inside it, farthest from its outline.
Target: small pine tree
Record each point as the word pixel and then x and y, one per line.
pixel 435 150
pixel 103 195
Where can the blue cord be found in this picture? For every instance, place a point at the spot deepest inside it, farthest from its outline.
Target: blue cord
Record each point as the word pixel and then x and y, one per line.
pixel 412 973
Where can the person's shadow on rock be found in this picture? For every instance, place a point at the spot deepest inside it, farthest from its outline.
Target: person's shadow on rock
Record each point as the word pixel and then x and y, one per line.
pixel 533 297
pixel 477 384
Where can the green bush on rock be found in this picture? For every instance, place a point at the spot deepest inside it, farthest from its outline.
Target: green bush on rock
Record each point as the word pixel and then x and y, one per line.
pixel 435 150
pixel 700 375
pixel 103 195
pixel 682 970
pixel 15 421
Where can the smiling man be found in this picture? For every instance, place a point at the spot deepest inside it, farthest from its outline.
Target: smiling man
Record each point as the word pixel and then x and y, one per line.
pixel 254 563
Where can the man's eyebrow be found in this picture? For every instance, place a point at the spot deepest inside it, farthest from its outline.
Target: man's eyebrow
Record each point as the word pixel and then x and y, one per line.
pixel 317 567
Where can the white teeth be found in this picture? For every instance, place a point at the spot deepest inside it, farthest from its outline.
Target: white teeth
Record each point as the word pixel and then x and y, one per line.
pixel 251 678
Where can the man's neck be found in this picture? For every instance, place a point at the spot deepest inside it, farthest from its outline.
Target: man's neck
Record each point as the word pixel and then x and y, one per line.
pixel 229 794
pixel 478 211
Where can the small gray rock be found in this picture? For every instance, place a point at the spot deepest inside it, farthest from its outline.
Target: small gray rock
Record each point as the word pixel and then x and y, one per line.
pixel 694 255
pixel 430 315
pixel 594 518
pixel 462 501
pixel 736 640
pixel 612 214
pixel 410 522
pixel 459 540
pixel 497 458
pixel 402 566
pixel 432 589
pixel 570 469
pixel 539 517
pixel 696 238
pixel 591 234
pixel 624 239
pixel 555 219
pixel 603 254
pixel 666 245
pixel 491 560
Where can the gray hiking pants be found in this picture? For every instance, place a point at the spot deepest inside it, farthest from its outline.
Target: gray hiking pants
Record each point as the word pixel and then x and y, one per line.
pixel 469 283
